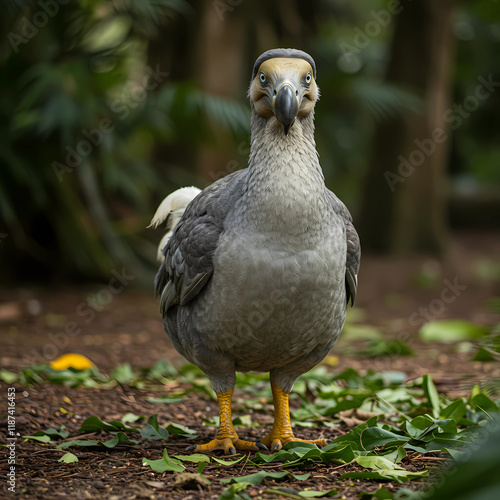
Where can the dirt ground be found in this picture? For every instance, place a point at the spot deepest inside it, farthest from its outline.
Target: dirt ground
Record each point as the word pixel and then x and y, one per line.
pixel 396 296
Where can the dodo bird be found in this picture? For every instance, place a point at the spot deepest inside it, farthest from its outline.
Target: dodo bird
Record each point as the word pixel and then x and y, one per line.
pixel 258 268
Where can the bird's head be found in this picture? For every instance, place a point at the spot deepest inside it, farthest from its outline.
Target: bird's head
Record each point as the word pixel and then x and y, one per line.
pixel 284 86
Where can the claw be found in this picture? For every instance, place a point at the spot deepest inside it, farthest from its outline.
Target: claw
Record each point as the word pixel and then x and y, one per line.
pixel 227 444
pixel 262 446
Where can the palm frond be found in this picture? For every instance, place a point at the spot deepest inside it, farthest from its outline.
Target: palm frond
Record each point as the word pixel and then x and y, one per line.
pixel 384 100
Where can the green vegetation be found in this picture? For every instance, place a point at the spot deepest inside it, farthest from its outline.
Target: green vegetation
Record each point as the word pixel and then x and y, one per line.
pixel 404 420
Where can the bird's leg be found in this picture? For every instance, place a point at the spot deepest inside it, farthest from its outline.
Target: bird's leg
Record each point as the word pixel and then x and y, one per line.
pixel 281 432
pixel 226 438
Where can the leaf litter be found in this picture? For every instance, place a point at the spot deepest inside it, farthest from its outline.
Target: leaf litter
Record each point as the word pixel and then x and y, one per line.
pixel 383 428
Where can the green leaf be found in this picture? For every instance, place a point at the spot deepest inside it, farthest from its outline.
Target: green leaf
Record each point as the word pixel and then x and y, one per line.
pixel 422 427
pixel 228 462
pixel 317 494
pixel 132 418
pixel 119 438
pixel 484 354
pixel 195 457
pixel 482 402
pixel 432 395
pixel 123 374
pixel 375 436
pixel 9 377
pixel 68 458
pixel 153 430
pixel 377 462
pixel 451 331
pixel 244 420
pixel 297 453
pixel 353 437
pixel 78 442
pixel 455 454
pixel 455 410
pixel 381 494
pixel 399 476
pixel 111 443
pixel 357 331
pixel 233 491
pixel 47 435
pixel 39 436
pixel 165 400
pixel 386 348
pixel 385 469
pixel 258 477
pixel 396 455
pixel 54 433
pixel 161 369
pixel 181 430
pixel 95 424
pixel 164 464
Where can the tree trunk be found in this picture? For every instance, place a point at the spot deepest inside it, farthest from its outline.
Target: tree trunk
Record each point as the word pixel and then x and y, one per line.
pixel 222 36
pixel 404 199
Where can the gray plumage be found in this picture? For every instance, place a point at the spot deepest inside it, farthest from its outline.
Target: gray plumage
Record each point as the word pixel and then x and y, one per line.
pixel 291 53
pixel 259 270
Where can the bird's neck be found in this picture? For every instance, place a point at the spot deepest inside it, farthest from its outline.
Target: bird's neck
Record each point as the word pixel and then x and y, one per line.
pixel 285 189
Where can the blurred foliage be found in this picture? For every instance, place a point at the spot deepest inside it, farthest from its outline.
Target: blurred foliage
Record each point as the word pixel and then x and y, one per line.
pixel 477 154
pixel 92 135
pixel 80 111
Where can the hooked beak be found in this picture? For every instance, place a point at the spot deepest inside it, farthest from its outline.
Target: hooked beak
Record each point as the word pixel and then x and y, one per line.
pixel 286 106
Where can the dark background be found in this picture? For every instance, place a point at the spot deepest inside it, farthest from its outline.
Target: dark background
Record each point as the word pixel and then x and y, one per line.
pixel 407 125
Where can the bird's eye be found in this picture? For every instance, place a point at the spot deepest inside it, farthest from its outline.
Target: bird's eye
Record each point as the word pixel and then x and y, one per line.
pixel 308 78
pixel 263 78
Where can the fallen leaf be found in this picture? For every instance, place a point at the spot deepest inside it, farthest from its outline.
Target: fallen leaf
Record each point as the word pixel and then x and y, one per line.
pixel 71 360
pixel 155 484
pixel 68 458
pixel 191 481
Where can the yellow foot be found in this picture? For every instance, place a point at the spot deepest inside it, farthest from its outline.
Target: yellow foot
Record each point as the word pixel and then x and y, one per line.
pixel 281 432
pixel 275 442
pixel 228 444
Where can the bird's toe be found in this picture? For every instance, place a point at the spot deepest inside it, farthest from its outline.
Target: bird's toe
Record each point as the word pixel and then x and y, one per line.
pixel 275 443
pixel 229 445
pixel 247 445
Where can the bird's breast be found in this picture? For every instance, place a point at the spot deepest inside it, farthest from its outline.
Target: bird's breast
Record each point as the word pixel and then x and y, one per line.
pixel 270 303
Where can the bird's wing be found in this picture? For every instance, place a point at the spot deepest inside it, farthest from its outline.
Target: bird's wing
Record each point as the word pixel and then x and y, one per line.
pixel 353 247
pixel 188 263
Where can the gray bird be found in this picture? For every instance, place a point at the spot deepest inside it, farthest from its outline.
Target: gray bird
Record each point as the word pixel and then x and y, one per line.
pixel 259 267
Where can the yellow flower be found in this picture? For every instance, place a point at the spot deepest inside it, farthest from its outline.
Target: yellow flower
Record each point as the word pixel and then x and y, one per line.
pixel 71 360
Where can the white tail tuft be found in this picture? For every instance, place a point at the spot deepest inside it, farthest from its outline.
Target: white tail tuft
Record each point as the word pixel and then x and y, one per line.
pixel 171 210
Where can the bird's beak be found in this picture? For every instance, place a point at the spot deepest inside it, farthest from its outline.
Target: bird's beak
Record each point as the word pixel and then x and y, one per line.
pixel 286 106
